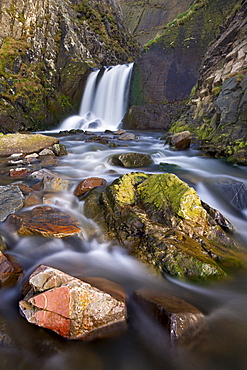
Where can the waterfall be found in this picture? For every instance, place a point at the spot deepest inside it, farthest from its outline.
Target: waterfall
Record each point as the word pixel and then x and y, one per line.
pixel 104 101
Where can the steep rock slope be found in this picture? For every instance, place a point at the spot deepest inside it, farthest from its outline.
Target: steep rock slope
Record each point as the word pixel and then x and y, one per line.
pixel 217 113
pixel 169 67
pixel 147 19
pixel 46 49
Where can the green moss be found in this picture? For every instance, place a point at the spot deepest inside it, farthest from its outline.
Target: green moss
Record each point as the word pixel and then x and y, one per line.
pixel 216 90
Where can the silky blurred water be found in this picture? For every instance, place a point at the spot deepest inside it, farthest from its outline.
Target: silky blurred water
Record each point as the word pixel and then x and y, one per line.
pixel 144 345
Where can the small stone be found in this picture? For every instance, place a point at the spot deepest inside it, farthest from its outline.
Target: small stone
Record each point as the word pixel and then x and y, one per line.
pixel 46 152
pixel 31 157
pixel 18 172
pixel 32 200
pixel 132 160
pixel 127 136
pixel 88 184
pixel 59 149
pixel 180 140
pixel 11 200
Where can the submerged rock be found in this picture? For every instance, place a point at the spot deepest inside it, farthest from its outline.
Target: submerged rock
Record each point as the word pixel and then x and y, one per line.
pixel 131 160
pixel 45 221
pixel 72 308
pixel 161 220
pixel 24 143
pixel 10 270
pixel 183 321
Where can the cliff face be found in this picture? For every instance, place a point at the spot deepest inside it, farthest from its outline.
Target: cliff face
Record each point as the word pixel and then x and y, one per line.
pixel 217 113
pixel 147 19
pixel 46 50
pixel 169 67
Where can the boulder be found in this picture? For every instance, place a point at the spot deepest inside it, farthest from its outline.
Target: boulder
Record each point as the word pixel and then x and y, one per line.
pixel 72 308
pixel 59 149
pixel 131 160
pixel 161 221
pixel 180 140
pixel 11 200
pixel 24 143
pixel 44 221
pixel 10 270
pixel 88 184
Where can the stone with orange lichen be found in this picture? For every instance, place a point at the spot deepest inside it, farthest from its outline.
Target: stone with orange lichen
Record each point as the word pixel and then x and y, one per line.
pixel 88 184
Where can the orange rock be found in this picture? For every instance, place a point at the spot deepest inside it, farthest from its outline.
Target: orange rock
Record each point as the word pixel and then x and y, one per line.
pixel 45 221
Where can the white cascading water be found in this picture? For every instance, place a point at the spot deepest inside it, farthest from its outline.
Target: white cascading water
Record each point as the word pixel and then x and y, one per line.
pixel 104 101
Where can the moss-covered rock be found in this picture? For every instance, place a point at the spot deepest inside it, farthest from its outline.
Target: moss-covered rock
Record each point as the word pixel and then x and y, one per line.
pixel 24 143
pixel 161 221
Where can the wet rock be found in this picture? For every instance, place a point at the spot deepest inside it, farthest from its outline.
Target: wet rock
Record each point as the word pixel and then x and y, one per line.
pixel 183 321
pixel 180 140
pixel 127 136
pixel 88 184
pixel 48 161
pixel 18 172
pixel 15 143
pixel 32 200
pixel 45 221
pixel 3 246
pixel 11 200
pixel 31 157
pixel 72 308
pixel 59 149
pixel 10 270
pixel 131 160
pixel 161 221
pixel 50 182
pixel 46 152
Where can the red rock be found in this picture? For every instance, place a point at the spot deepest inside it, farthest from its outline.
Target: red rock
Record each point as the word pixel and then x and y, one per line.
pixel 32 200
pixel 18 172
pixel 88 184
pixel 70 307
pixel 10 270
pixel 45 221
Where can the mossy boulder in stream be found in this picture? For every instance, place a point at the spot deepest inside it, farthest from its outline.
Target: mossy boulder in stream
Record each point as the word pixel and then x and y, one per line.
pixel 161 221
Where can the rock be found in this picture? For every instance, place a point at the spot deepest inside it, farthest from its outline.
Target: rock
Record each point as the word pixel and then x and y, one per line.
pixel 45 221
pixel 88 184
pixel 18 172
pixel 59 149
pixel 3 246
pixel 25 143
pixel 10 270
pixel 180 140
pixel 161 221
pixel 183 321
pixel 11 200
pixel 72 308
pixel 50 182
pixel 46 152
pixel 32 200
pixel 131 160
pixel 127 136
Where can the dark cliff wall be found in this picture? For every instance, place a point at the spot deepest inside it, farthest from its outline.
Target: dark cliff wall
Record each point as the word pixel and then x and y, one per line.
pixel 46 50
pixel 147 19
pixel 169 67
pixel 217 111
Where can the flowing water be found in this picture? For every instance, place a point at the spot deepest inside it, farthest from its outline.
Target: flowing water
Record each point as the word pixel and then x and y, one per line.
pixel 144 345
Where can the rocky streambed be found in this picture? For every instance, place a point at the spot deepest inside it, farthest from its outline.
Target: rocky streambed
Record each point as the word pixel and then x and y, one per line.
pixel 94 224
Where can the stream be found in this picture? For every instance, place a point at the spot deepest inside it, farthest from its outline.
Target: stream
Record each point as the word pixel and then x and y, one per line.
pixel 144 345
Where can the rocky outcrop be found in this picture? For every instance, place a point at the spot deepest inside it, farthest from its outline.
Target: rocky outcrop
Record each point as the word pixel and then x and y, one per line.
pixel 47 48
pixel 162 221
pixel 147 19
pixel 168 68
pixel 217 111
